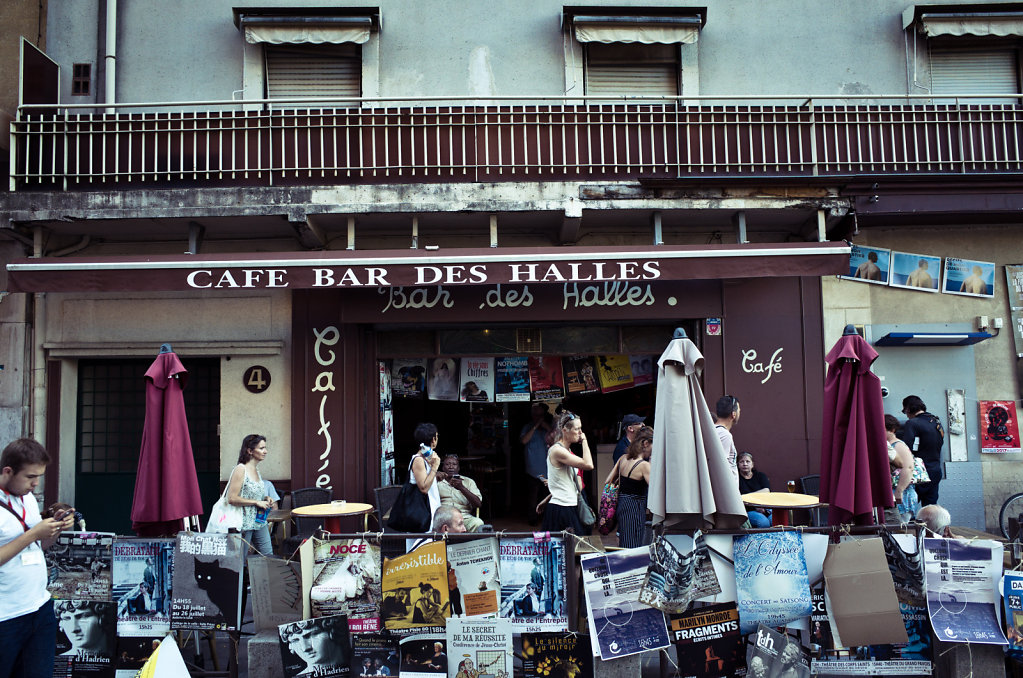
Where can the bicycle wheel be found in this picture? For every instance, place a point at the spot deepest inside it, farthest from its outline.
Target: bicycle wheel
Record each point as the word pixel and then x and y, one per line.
pixel 1012 508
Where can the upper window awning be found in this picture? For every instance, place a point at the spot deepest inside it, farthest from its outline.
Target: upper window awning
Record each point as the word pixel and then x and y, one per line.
pixel 636 24
pixel 419 268
pixel 978 20
pixel 306 25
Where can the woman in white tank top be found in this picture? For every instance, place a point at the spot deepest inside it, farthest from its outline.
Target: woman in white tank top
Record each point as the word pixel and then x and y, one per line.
pixel 562 480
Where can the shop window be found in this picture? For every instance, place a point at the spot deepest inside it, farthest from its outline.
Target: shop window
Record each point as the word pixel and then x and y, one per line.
pixel 652 339
pixel 477 342
pixel 81 79
pixel 580 339
pixel 406 343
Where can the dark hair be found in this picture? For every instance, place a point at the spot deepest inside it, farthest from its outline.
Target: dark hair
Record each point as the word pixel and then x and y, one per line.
pixel 329 625
pixel 21 453
pixel 95 606
pixel 891 423
pixel 912 404
pixel 726 405
pixel 635 448
pixel 249 443
pixel 872 256
pixel 425 433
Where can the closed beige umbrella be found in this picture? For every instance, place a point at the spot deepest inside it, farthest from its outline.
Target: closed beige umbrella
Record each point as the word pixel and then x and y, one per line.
pixel 691 486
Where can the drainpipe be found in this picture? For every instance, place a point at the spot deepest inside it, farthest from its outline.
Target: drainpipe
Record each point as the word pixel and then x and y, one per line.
pixel 38 354
pixel 110 55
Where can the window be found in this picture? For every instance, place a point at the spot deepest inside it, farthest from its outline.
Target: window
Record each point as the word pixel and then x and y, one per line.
pixel 978 70
pixel 308 71
pixel 81 77
pixel 629 68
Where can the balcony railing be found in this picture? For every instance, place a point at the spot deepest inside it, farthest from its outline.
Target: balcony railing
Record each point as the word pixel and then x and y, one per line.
pixel 303 141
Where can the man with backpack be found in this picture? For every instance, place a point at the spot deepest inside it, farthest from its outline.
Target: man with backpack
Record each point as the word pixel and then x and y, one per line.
pixel 925 437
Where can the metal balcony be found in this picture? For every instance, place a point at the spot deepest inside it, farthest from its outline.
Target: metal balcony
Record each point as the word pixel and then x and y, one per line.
pixel 318 142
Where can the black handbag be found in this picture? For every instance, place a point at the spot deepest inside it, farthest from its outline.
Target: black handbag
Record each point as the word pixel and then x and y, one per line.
pixel 411 510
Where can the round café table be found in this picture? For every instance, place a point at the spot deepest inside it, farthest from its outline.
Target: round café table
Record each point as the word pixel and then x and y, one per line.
pixel 333 512
pixel 781 503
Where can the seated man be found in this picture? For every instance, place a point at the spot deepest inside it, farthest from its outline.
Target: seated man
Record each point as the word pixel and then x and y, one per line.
pixel 937 521
pixel 460 492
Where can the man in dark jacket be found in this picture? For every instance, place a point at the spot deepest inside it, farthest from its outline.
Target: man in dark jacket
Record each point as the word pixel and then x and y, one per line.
pixel 924 435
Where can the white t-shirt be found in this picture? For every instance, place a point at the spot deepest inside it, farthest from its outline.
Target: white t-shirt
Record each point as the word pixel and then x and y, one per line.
pixel 728 444
pixel 23 577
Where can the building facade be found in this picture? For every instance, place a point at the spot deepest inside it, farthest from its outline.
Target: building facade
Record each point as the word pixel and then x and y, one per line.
pixel 293 196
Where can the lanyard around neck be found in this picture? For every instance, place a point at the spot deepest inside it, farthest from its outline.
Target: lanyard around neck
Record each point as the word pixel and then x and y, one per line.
pixel 9 506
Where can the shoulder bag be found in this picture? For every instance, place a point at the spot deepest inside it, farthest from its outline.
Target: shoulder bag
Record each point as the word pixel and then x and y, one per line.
pixel 224 516
pixel 586 515
pixel 608 509
pixel 411 510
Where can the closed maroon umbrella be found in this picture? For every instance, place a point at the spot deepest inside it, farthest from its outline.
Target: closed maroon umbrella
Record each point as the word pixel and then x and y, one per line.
pixel 166 487
pixel 855 474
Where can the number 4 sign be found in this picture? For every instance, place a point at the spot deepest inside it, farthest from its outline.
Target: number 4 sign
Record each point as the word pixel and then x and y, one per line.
pixel 256 379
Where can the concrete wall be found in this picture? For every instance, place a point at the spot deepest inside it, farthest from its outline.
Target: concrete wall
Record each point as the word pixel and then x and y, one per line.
pixel 17 18
pixel 450 47
pixel 994 362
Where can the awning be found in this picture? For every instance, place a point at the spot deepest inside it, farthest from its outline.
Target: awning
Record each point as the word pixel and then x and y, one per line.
pixel 304 25
pixel 932 338
pixel 984 20
pixel 641 29
pixel 421 268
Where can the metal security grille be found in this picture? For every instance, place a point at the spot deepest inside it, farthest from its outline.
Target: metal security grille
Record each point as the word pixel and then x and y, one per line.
pixel 320 71
pixel 112 413
pixel 622 69
pixel 977 71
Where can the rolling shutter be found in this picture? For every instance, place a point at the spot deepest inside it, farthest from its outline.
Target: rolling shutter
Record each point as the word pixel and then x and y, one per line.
pixel 314 71
pixel 636 69
pixel 961 71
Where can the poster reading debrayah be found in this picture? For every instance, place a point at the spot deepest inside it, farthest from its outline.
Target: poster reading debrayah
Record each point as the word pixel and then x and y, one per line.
pixel 86 638
pixel 207 581
pixel 771 581
pixel 79 565
pixel 142 571
pixel 708 641
pixel 343 578
pixel 479 647
pixel 474 580
pixel 533 584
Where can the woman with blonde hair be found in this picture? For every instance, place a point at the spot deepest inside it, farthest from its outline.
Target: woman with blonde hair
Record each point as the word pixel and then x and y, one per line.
pixel 562 481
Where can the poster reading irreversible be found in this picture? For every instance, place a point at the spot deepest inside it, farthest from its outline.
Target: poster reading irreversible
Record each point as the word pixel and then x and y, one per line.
pixel 474 580
pixel 533 584
pixel 771 582
pixel 415 590
pixel 207 581
pixel 962 590
pixel 343 577
pixel 619 623
pixel 999 427
pixel 142 570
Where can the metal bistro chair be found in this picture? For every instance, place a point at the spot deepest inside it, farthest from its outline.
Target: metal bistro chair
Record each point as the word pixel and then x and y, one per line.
pixel 384 497
pixel 812 485
pixel 304 527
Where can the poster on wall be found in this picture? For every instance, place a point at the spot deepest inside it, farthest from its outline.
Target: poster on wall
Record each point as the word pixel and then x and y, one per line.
pixel 512 379
pixel 479 647
pixel 533 584
pixel 316 647
pixel 207 581
pixel 999 427
pixel 442 379
pixel 1012 598
pixel 580 375
pixel 86 637
pixel 547 655
pixel 141 572
pixel 374 655
pixel 477 380
pixel 408 377
pixel 473 569
pixel 387 447
pixel 546 380
pixel 78 564
pixel 1014 287
pixel 969 278
pixel 614 373
pixel 415 591
pixel 921 272
pixel 869 265
pixel 708 641
pixel 342 576
pixel 962 590
pixel 384 372
pixel 642 369
pixel 771 580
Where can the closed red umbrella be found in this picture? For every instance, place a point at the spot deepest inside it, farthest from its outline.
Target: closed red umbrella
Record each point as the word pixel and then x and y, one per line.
pixel 855 474
pixel 166 487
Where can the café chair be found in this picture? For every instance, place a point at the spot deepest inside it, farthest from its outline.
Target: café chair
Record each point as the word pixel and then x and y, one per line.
pixel 304 527
pixel 812 485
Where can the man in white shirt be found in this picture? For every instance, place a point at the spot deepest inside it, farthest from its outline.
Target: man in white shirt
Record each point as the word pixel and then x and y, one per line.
pixel 727 415
pixel 28 626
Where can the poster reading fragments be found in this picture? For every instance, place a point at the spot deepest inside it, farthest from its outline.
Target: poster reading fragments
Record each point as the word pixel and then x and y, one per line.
pixel 619 623
pixel 533 584
pixel 374 654
pixel 415 591
pixel 479 647
pixel 962 590
pixel 342 576
pixel 477 380
pixel 424 656
pixel 999 427
pixel 408 377
pixel 79 565
pixel 772 586
pixel 556 655
pixel 512 379
pixel 316 647
pixel 474 580
pixel 86 638
pixel 546 380
pixel 708 641
pixel 614 373
pixel 207 581
pixel 679 572
pixel 142 571
pixel 775 654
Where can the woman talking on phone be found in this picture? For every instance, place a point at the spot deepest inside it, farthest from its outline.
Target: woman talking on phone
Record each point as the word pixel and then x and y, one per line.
pixel 562 480
pixel 246 489
pixel 425 462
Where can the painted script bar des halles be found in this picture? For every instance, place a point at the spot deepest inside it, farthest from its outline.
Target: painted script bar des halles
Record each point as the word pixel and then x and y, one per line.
pixel 420 274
